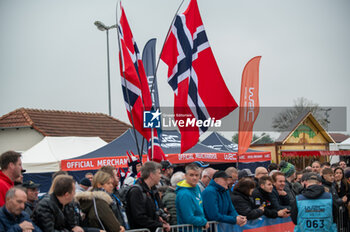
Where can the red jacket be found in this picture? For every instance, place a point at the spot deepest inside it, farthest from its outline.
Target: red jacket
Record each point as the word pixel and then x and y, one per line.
pixel 5 184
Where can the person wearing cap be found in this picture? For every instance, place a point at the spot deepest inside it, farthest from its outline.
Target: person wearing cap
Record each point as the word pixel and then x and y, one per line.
pixel 207 175
pixel 83 186
pixel 245 173
pixel 217 201
pixel 11 168
pixel 167 172
pixel 32 191
pixel 189 205
pixel 313 209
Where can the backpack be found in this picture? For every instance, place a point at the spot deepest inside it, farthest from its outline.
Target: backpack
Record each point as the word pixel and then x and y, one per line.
pixel 123 193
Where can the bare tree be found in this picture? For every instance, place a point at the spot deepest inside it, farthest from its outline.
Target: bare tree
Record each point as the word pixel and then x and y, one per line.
pixel 301 105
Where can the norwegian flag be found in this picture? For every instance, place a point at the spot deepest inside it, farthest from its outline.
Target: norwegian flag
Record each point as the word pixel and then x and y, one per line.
pixel 134 80
pixel 158 154
pixel 200 91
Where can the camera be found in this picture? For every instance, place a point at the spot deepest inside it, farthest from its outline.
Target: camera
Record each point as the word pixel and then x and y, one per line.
pixel 162 214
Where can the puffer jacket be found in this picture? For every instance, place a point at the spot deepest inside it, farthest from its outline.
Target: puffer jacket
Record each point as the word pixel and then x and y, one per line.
pixel 103 207
pixel 245 206
pixel 10 222
pixel 169 203
pixel 50 215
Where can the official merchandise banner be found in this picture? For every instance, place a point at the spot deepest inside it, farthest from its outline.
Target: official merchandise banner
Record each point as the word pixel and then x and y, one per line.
pixel 121 161
pixel 262 224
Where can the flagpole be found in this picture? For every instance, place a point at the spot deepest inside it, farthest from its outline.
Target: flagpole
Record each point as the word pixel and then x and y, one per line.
pixel 127 94
pixel 161 51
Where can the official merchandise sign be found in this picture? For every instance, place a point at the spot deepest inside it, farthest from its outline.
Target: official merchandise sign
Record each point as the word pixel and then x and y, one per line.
pixel 121 161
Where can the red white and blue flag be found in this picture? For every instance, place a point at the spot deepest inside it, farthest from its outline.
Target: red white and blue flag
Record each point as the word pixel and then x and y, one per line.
pixel 134 82
pixel 200 91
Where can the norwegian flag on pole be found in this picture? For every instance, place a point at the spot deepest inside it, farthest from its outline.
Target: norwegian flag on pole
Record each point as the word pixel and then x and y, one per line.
pixel 134 82
pixel 200 91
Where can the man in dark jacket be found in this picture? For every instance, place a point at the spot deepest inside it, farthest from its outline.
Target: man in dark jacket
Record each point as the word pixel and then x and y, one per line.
pixel 32 195
pixel 217 202
pixel 262 197
pixel 313 209
pixel 279 196
pixel 12 214
pixel 143 202
pixel 55 212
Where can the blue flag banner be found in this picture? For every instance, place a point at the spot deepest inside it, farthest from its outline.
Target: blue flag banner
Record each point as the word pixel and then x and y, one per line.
pixel 262 224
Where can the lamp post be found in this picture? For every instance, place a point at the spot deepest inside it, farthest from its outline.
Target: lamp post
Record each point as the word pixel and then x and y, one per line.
pixel 103 27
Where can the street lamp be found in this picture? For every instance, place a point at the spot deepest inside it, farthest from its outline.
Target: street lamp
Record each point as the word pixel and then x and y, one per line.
pixel 103 27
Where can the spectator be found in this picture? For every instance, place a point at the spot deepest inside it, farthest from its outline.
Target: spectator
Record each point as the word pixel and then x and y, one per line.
pixel 32 191
pixel 315 198
pixel 259 172
pixel 207 175
pixel 297 187
pixel 12 215
pixel 334 165
pixel 325 165
pixel 245 173
pixel 11 167
pixel 308 169
pixel 96 204
pixel 89 176
pixel 342 164
pixel 167 172
pixel 118 205
pixel 262 197
pixel 83 186
pixel 143 202
pixel 288 170
pixel 242 201
pixel 343 190
pixel 19 180
pixel 233 173
pixel 55 212
pixel 189 208
pixel 217 203
pixel 170 197
pixel 134 165
pixel 328 183
pixel 316 167
pixel 279 196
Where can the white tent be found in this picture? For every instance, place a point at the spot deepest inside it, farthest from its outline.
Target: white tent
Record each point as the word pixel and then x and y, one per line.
pixel 345 145
pixel 46 155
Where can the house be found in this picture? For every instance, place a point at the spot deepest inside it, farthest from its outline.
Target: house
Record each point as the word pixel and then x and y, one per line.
pixel 302 143
pixel 23 128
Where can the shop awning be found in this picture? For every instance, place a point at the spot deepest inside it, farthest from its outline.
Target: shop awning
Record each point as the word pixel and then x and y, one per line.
pixel 313 153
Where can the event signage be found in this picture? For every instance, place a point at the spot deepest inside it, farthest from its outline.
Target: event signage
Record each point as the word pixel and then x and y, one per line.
pixel 121 161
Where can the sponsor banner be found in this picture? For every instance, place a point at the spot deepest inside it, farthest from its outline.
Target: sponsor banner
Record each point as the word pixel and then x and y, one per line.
pixel 219 157
pixel 262 224
pixel 95 163
pixel 121 161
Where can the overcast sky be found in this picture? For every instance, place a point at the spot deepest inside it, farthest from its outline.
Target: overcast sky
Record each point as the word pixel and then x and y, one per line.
pixel 53 57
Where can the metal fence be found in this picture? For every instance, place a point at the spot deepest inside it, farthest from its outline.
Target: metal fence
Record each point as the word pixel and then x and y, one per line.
pixel 342 219
pixel 191 228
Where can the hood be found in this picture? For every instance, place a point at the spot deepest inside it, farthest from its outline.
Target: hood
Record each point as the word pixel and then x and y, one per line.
pixel 184 185
pixel 313 191
pixel 84 197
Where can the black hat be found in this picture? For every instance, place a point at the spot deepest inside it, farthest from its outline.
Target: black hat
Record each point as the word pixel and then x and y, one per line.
pixel 23 171
pixel 244 173
pixel 86 182
pixel 220 174
pixel 166 164
pixel 311 176
pixel 30 185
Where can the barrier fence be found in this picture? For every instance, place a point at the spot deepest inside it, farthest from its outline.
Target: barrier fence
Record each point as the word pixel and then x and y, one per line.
pixel 191 228
pixel 138 230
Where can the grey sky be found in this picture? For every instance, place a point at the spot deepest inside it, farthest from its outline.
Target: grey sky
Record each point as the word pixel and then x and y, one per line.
pixel 53 57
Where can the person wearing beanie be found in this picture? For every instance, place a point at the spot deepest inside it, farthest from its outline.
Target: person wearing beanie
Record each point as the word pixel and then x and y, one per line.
pixel 288 170
pixel 83 186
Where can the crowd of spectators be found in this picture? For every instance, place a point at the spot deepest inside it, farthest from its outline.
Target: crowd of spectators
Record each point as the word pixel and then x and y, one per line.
pixel 151 195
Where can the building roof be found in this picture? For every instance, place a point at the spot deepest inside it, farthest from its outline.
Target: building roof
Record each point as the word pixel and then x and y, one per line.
pixel 297 122
pixel 65 123
pixel 339 137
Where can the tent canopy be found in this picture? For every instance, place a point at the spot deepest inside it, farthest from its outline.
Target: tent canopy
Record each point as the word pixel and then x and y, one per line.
pixel 46 155
pixel 114 153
